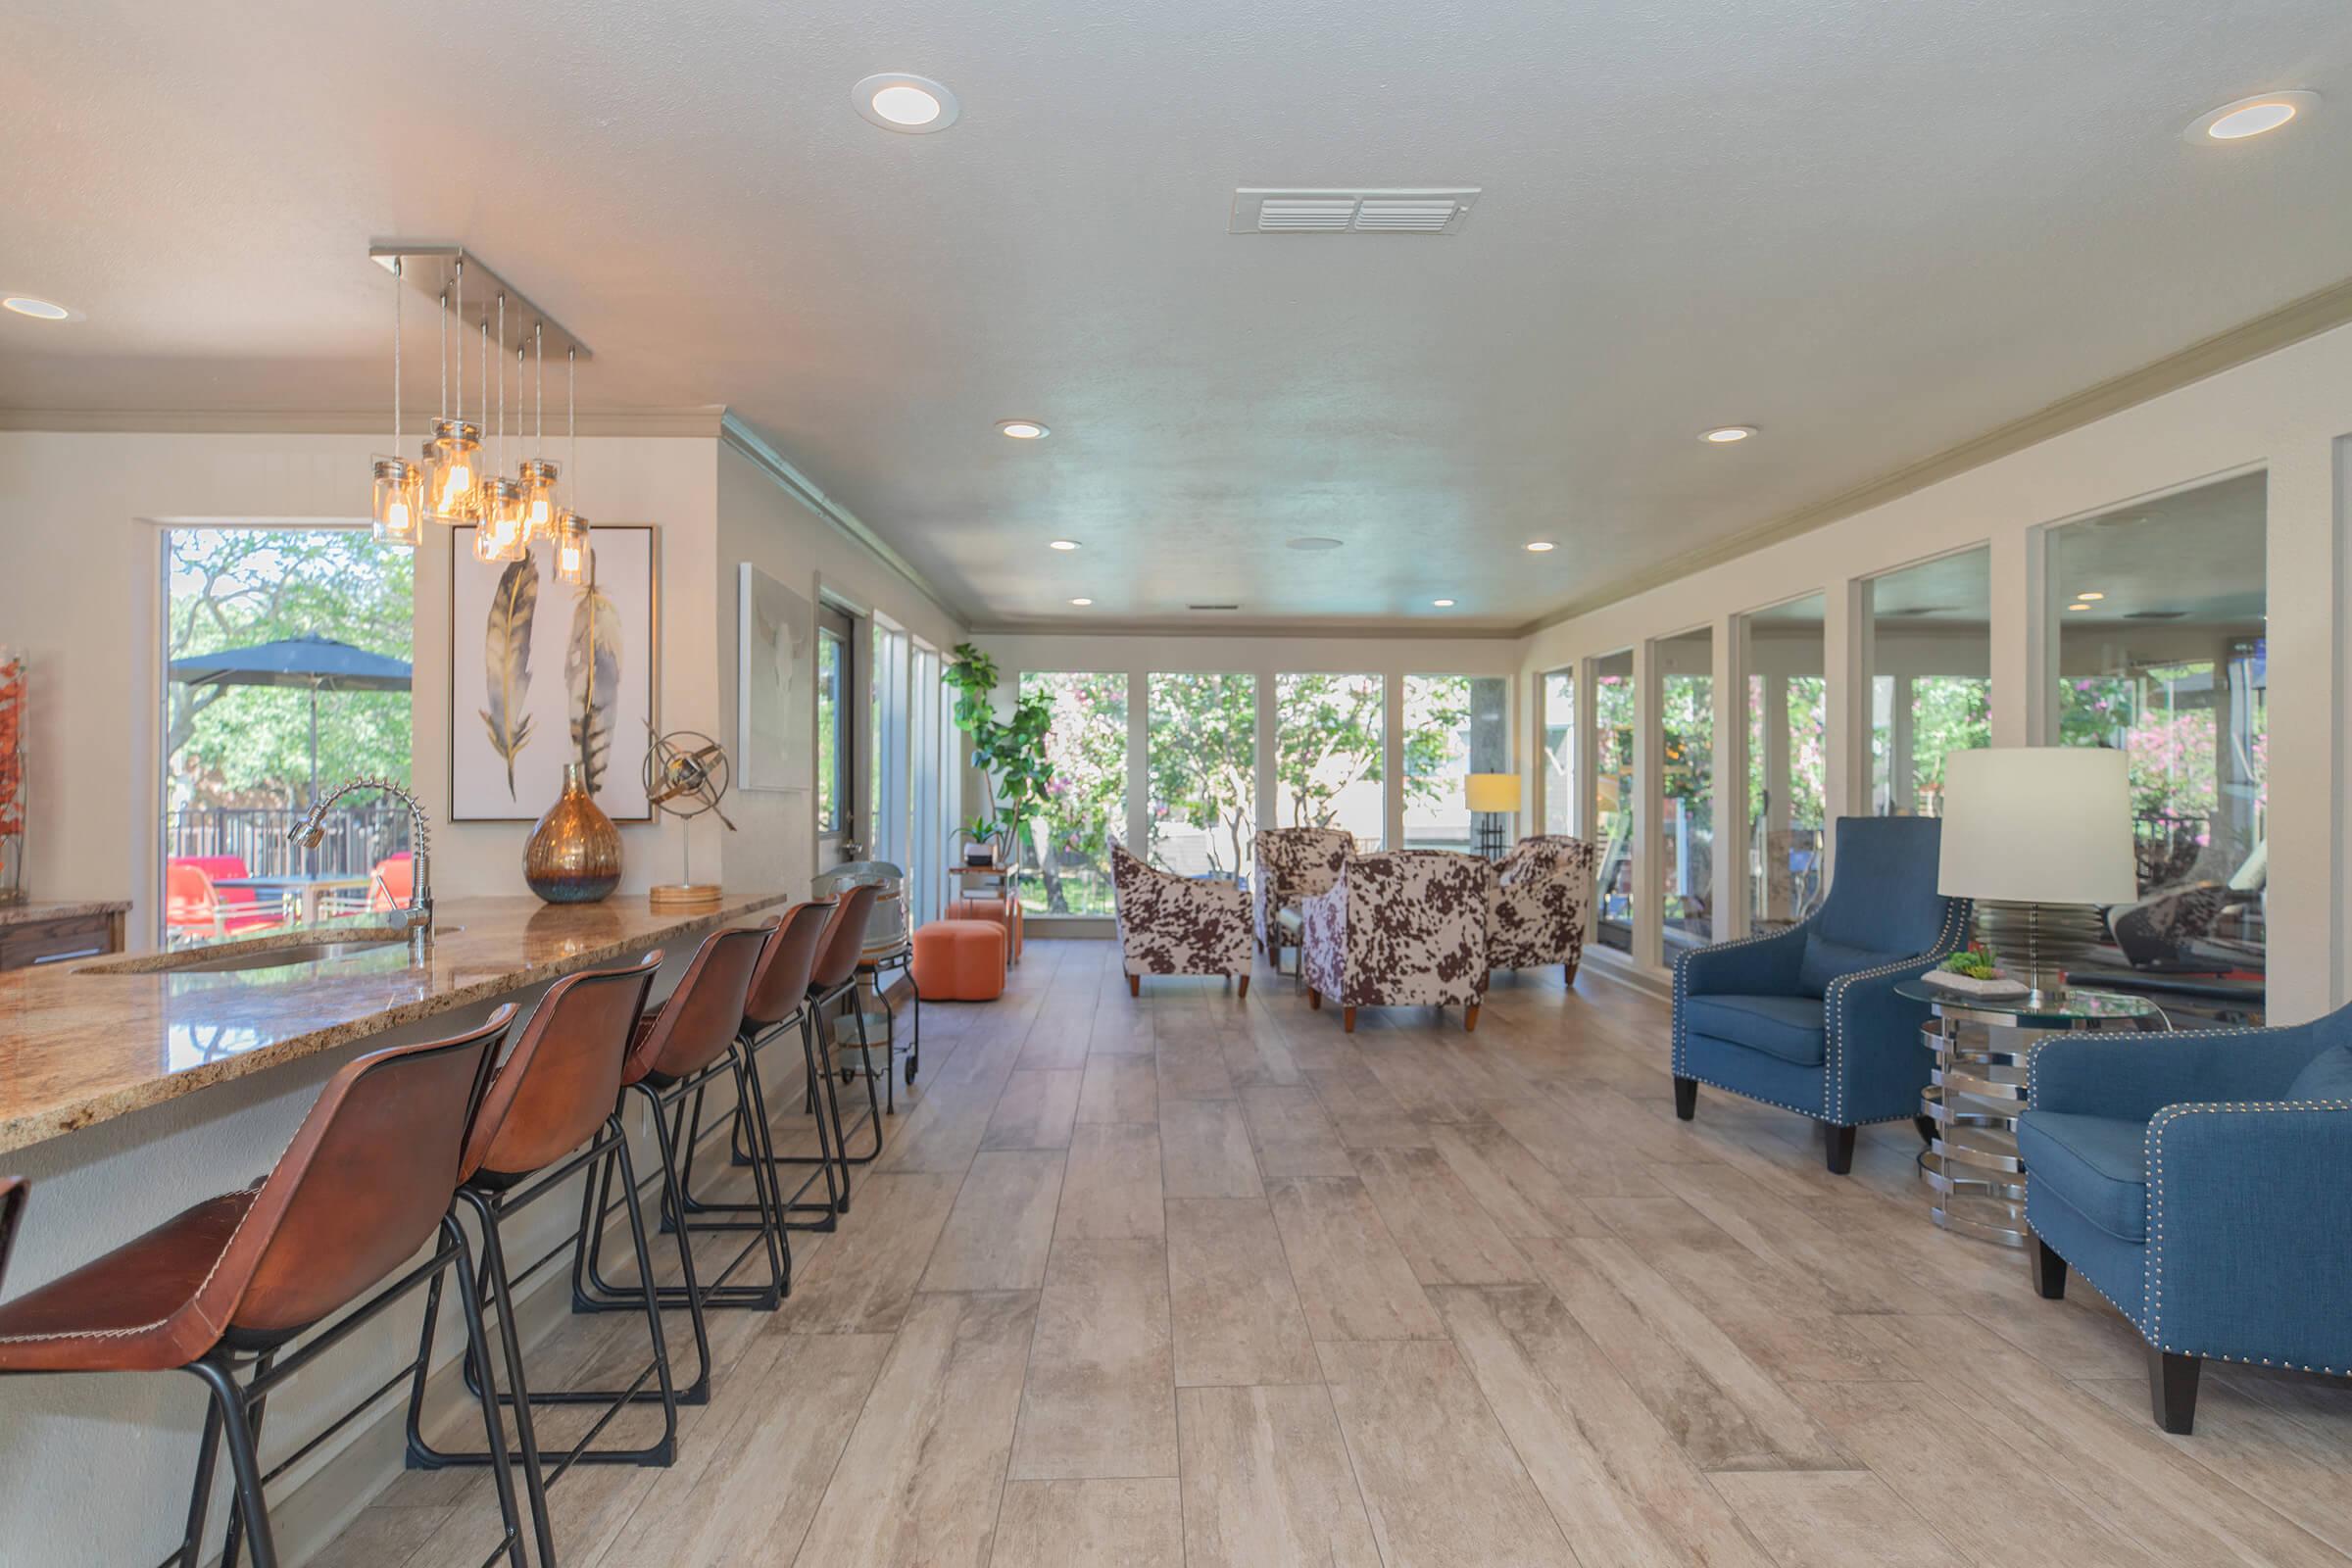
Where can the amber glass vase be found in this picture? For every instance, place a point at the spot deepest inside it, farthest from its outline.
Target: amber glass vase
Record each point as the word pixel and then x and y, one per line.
pixel 573 856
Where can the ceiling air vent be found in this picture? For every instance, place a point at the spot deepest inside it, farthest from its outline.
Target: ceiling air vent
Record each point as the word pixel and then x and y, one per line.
pixel 1352 212
pixel 1212 607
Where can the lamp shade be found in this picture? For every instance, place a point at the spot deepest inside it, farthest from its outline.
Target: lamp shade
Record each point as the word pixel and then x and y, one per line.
pixel 2037 824
pixel 1492 792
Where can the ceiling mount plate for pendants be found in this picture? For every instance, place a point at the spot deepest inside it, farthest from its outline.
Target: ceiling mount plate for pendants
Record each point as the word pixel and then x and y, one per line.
pixel 432 269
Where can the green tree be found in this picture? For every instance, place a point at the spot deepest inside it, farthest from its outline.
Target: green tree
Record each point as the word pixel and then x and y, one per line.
pixel 235 587
pixel 1084 807
pixel 1203 759
pixel 1327 739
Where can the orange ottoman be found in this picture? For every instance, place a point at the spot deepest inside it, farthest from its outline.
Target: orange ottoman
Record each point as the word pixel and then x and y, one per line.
pixel 1004 911
pixel 960 961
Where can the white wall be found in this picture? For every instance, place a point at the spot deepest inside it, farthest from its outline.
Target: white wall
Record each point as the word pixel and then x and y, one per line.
pixel 2287 414
pixel 758 522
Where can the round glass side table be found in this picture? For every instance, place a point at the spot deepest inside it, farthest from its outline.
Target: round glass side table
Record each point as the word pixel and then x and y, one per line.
pixel 1978 1088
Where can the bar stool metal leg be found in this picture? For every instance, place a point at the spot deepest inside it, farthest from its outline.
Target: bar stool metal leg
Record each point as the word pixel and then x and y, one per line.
pixel 244 1462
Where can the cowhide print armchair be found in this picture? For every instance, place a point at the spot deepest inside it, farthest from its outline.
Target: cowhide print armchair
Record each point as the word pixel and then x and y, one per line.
pixel 1543 902
pixel 1292 864
pixel 1170 925
pixel 1407 928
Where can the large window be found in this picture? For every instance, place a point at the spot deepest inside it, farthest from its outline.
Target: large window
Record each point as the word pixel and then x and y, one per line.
pixel 1614 707
pixel 1454 726
pixel 1203 769
pixel 1206 772
pixel 247 748
pixel 1685 788
pixel 1066 860
pixel 1788 761
pixel 929 823
pixel 894 723
pixel 832 730
pixel 2162 654
pixel 1931 688
pixel 1328 732
pixel 1559 751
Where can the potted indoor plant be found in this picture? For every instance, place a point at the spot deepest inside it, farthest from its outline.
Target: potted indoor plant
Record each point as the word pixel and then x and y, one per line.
pixel 1009 753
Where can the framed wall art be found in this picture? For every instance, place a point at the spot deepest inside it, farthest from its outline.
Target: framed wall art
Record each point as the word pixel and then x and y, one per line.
pixel 543 673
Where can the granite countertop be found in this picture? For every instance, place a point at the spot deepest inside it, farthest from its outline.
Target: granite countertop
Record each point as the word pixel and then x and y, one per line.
pixel 32 909
pixel 87 1043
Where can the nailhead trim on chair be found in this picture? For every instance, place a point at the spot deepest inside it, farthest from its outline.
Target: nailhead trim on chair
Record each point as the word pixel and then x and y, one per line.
pixel 1947 941
pixel 2152 1304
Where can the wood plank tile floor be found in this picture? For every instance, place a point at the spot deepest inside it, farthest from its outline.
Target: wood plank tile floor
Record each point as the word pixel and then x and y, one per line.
pixel 1196 1281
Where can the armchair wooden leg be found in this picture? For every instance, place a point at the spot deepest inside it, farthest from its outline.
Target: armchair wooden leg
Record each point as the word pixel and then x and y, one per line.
pixel 1570 967
pixel 1470 1019
pixel 2173 1390
pixel 1134 985
pixel 1841 1150
pixel 1245 991
pixel 1348 1020
pixel 1686 1099
pixel 2049 1269
pixel 1314 998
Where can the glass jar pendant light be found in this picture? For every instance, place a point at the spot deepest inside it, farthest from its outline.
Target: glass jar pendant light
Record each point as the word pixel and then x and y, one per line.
pixel 538 473
pixel 498 536
pixel 575 562
pixel 498 529
pixel 453 469
pixel 398 501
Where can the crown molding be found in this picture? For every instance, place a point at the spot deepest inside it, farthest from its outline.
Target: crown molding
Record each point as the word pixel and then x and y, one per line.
pixel 1294 631
pixel 692 422
pixel 779 471
pixel 2328 309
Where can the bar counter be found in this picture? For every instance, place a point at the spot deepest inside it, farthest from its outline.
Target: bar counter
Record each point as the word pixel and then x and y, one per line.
pixel 82 1044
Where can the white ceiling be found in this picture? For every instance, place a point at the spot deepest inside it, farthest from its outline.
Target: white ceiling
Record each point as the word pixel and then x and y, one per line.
pixel 1874 230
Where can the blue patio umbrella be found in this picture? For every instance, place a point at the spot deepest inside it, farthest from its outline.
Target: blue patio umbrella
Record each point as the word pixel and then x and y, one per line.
pixel 309 661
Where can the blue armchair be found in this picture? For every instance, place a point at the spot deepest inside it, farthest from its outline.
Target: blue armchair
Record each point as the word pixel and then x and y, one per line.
pixel 2198 1182
pixel 1807 1018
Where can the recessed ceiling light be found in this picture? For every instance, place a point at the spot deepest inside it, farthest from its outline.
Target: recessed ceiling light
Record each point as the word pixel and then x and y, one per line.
pixel 1443 604
pixel 1023 429
pixel 1723 435
pixel 2077 607
pixel 38 309
pixel 897 101
pixel 2088 597
pixel 2251 116
pixel 1313 542
pixel 1082 603
pixel 1539 546
pixel 1063 544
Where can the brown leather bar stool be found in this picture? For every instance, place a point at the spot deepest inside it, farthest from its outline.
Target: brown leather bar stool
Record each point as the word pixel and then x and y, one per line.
pixel 680 1046
pixel 553 1110
pixel 778 997
pixel 228 1285
pixel 834 976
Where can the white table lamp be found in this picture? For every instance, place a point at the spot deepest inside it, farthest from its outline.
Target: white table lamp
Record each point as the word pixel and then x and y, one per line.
pixel 2040 838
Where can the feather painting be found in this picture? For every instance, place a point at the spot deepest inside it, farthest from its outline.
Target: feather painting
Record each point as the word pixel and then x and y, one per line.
pixel 507 660
pixel 592 675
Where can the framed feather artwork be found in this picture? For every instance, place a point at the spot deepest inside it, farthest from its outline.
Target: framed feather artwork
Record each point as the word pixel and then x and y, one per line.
pixel 543 673
pixel 775 721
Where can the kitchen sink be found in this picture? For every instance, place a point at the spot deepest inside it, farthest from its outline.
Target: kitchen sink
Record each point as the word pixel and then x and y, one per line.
pixel 286 957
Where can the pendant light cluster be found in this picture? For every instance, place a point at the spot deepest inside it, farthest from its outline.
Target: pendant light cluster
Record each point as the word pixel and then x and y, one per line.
pixel 462 481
